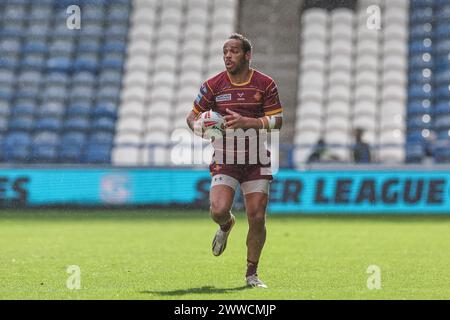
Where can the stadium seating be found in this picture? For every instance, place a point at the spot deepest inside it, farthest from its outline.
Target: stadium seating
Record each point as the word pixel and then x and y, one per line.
pixel 116 90
pixel 57 82
pixel 173 46
pixel 352 76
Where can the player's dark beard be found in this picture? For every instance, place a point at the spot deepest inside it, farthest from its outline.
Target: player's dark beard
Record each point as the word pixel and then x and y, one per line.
pixel 239 68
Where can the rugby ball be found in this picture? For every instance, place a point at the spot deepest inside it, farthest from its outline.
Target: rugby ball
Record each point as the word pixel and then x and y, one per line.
pixel 212 124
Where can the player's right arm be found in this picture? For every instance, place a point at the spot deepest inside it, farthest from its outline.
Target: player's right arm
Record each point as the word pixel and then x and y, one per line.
pixel 203 102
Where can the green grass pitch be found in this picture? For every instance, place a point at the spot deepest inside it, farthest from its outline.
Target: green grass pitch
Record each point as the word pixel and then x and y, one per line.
pixel 154 254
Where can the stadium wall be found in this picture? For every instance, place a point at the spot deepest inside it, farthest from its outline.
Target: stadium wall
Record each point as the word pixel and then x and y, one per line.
pixel 316 190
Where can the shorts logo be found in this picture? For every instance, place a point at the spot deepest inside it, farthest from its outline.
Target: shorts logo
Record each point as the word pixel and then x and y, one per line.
pixel 223 97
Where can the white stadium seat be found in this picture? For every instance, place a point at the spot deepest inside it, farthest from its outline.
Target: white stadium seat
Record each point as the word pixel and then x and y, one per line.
pixel 125 156
pixel 130 123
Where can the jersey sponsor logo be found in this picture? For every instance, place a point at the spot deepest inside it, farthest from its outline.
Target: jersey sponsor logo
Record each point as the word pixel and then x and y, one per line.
pixel 223 97
pixel 203 89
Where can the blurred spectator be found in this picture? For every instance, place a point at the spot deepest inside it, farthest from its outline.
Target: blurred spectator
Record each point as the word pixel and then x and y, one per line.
pixel 321 153
pixel 361 149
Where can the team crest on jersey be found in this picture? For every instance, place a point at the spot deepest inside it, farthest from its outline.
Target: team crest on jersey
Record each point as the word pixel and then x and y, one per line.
pixel 258 96
pixel 223 97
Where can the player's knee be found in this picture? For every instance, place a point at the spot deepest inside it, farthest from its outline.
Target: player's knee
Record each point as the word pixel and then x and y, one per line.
pixel 219 210
pixel 257 219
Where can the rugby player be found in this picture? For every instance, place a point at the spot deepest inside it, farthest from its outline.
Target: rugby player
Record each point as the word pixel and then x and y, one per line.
pixel 247 99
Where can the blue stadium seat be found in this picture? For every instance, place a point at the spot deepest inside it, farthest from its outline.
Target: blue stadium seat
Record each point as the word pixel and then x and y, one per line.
pixel 59 64
pixel 7 77
pixel 3 124
pixel 110 77
pixel 18 2
pixel 104 123
pixel 419 77
pixel 443 92
pixel 418 123
pixel 420 46
pixel 40 13
pixel 6 92
pixel 77 123
pixel 65 3
pixel 421 31
pixel 26 108
pixel 5 108
pixel 26 92
pixel 110 93
pixel 84 78
pixel 28 77
pixel 442 154
pixel 62 32
pixel 45 147
pixel 93 13
pixel 103 138
pixel 105 109
pixel 21 123
pixel 35 46
pixel 443 13
pixel 33 61
pixel 442 47
pixel 10 46
pixel 418 107
pixel 54 93
pixel 9 61
pixel 82 92
pixel 114 46
pixel 57 78
pixel 62 47
pixel 419 91
pixel 49 124
pixel 51 109
pixel 38 32
pixel 97 153
pixel 442 30
pixel 415 136
pixel 442 76
pixel 72 145
pixel 421 3
pixel 89 45
pixel 74 138
pixel 92 30
pixel 13 29
pixel 415 153
pixel 16 147
pixel 79 109
pixel 442 123
pixel 442 107
pixel 420 61
pixel 112 61
pixel 420 15
pixel 86 61
pixel 13 13
pixel 118 12
pixel 116 31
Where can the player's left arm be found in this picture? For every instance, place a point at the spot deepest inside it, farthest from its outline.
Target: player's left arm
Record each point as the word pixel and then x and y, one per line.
pixel 273 113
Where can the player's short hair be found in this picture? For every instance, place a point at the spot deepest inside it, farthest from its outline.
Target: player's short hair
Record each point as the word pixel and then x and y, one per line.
pixel 246 44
